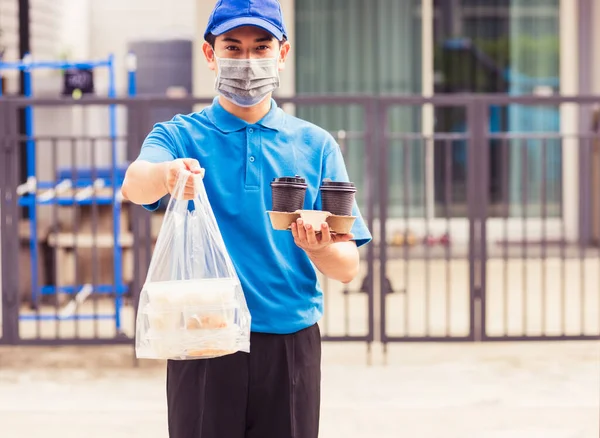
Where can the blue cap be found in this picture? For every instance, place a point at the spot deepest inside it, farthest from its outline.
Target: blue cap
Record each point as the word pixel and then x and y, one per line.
pixel 230 14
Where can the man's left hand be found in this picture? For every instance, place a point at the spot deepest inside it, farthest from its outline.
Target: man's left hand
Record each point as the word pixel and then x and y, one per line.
pixel 306 237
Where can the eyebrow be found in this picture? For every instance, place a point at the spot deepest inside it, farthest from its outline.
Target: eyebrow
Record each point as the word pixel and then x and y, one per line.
pixel 232 40
pixel 258 40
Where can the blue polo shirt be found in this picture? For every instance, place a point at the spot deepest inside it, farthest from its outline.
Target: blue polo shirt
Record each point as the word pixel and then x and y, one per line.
pixel 241 159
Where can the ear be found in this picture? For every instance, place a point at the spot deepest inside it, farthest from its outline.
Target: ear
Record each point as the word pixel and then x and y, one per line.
pixel 283 54
pixel 209 54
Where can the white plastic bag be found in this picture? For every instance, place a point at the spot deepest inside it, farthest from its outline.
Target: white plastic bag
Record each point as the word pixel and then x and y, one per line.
pixel 192 305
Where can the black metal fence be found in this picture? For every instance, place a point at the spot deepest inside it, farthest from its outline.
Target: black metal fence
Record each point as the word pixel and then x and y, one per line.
pixel 485 212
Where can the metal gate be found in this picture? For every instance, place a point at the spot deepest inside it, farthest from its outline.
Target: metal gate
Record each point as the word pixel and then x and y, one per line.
pixel 74 277
pixel 478 230
pixel 540 276
pixel 479 224
pixel 64 230
pixel 421 267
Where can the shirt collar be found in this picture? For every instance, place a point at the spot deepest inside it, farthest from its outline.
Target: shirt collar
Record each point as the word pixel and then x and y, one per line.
pixel 227 122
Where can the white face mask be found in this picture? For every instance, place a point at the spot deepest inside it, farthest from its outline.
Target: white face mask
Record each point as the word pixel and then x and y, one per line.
pixel 246 82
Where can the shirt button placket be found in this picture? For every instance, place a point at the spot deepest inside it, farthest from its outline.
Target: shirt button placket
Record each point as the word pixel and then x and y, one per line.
pixel 252 149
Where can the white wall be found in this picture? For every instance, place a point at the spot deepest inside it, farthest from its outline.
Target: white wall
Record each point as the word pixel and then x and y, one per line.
pixel 115 23
pixel 75 29
pixel 203 77
pixel 9 23
pixel 10 28
pixel 45 23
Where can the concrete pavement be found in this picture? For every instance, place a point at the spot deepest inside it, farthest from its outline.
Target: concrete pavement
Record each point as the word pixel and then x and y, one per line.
pixel 545 390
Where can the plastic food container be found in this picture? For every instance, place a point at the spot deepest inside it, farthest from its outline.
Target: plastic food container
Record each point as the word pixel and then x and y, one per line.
pixel 190 318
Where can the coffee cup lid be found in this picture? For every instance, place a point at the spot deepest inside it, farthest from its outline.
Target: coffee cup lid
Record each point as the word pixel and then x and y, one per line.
pixel 329 183
pixel 290 180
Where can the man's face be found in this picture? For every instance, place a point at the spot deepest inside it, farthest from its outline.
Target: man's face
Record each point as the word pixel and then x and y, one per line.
pixel 246 42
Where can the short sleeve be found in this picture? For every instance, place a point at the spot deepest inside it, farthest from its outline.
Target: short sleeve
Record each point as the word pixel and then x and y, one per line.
pixel 334 168
pixel 158 147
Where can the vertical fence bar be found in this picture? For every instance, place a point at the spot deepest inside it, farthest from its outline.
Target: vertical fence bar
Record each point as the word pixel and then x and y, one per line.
pixel 33 230
pixel 116 203
pixel 427 145
pixel 524 190
pixel 447 203
pixel 563 269
pixel 325 319
pixel 582 243
pixel 35 256
pixel 506 215
pixel 483 130
pixel 31 151
pixel 54 231
pixel 346 295
pixel 383 213
pixel 595 151
pixel 3 196
pixel 14 211
pixel 406 213
pixel 135 133
pixel 76 273
pixel 132 142
pixel 544 199
pixel 472 218
pixel 585 85
pixel 475 199
pixel 10 228
pixel 371 149
pixel 95 265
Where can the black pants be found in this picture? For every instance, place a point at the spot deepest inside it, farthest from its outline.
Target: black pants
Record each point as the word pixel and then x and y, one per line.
pixel 273 392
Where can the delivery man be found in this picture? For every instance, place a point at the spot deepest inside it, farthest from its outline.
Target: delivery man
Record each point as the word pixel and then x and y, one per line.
pixel 243 141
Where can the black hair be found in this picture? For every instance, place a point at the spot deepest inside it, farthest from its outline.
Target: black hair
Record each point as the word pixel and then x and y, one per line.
pixel 211 39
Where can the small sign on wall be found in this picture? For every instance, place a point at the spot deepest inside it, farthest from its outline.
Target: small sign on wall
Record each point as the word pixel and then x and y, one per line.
pixel 78 79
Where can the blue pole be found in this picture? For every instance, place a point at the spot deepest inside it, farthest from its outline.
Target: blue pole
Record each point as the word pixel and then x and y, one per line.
pixel 29 120
pixel 112 93
pixel 30 147
pixel 132 76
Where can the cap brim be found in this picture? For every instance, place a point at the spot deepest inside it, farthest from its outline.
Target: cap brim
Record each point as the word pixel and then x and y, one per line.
pixel 247 21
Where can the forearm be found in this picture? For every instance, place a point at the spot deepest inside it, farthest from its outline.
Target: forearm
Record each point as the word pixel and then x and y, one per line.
pixel 338 261
pixel 145 182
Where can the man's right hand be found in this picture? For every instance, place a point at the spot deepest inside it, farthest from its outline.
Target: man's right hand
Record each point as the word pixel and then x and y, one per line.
pixel 146 182
pixel 173 168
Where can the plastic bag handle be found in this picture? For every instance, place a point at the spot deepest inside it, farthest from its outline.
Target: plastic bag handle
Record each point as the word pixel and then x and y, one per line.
pixel 202 205
pixel 178 210
pixel 182 177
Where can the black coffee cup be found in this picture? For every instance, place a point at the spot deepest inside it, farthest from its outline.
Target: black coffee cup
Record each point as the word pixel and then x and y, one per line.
pixel 338 197
pixel 288 193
